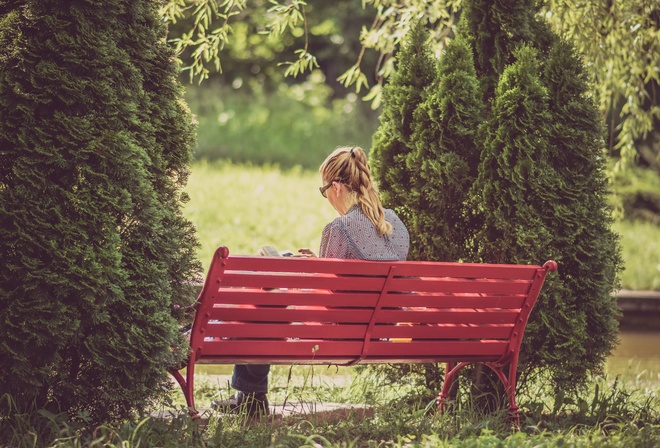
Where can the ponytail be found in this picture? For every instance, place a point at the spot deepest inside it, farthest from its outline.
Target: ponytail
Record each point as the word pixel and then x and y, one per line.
pixel 349 166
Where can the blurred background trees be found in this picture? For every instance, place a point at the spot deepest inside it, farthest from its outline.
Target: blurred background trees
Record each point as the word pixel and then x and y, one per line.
pixel 619 43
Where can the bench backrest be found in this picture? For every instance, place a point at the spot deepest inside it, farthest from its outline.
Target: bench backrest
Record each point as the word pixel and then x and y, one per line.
pixel 310 310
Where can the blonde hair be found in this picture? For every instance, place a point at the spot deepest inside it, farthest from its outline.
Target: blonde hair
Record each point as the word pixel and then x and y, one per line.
pixel 348 165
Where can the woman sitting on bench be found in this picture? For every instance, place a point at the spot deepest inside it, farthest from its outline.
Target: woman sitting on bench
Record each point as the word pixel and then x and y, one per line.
pixel 364 230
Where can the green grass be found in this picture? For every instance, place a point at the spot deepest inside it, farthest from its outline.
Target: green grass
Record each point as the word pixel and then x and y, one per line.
pixel 640 242
pixel 609 413
pixel 246 207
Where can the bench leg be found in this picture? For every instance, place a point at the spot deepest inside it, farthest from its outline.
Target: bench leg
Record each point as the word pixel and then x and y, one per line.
pixel 508 383
pixel 451 370
pixel 509 387
pixel 187 385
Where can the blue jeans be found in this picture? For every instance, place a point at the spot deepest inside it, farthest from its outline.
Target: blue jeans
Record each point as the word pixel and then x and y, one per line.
pixel 249 378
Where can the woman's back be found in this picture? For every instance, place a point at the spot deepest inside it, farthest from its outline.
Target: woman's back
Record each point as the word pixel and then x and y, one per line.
pixel 354 236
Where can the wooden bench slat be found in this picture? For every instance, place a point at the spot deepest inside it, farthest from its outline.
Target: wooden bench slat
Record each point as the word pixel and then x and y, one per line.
pixel 475 286
pixel 466 270
pixel 453 316
pixel 274 330
pixel 468 316
pixel 372 284
pixel 328 349
pixel 258 296
pixel 295 265
pixel 455 300
pixel 339 331
pixel 444 331
pixel 352 267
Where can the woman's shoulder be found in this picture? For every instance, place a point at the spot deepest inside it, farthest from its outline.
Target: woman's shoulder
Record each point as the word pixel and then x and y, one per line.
pixel 393 218
pixel 336 224
pixel 389 213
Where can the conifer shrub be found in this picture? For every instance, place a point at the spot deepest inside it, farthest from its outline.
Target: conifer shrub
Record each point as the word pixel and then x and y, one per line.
pixel 394 158
pixel 95 143
pixel 511 172
pixel 391 143
pixel 495 30
pixel 578 301
pixel 444 158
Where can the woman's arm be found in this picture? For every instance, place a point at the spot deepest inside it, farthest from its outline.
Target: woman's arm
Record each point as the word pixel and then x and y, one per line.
pixel 334 242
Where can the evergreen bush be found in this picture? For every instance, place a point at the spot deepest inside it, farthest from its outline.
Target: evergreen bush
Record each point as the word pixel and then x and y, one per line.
pixel 95 142
pixel 579 302
pixel 495 30
pixel 392 144
pixel 444 159
pixel 393 158
pixel 538 191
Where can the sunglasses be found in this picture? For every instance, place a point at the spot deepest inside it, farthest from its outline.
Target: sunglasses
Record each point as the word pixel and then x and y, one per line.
pixel 324 189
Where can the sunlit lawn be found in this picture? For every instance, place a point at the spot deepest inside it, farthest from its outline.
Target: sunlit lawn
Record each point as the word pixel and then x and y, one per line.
pixel 641 251
pixel 244 208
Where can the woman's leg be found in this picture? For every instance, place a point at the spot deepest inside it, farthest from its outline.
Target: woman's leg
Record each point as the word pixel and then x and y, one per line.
pixel 250 378
pixel 251 381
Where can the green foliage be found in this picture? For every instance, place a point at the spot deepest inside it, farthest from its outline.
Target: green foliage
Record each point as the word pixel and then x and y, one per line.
pixel 540 189
pixel 294 125
pixel 637 194
pixel 422 152
pixel 95 142
pixel 494 31
pixel 508 192
pixel 542 195
pixel 577 212
pixel 392 140
pixel 618 42
pixel 268 40
pixel 393 22
pixel 206 39
pixel 335 35
pixel 444 160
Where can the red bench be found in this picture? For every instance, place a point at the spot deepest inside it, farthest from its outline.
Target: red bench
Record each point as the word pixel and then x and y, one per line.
pixel 279 310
